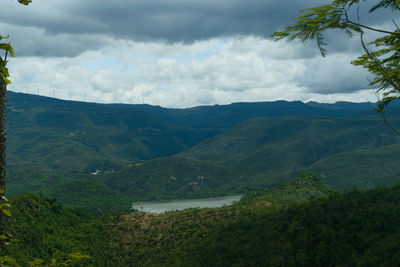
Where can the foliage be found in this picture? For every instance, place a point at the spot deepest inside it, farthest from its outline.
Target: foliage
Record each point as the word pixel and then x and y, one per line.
pixel 167 239
pixel 48 234
pixel 259 153
pixel 54 145
pixel 55 156
pixel 3 61
pixel 357 228
pixel 365 168
pixel 4 206
pixel 6 237
pixel 298 223
pixel 91 196
pixel 8 50
pixel 25 2
pixel 304 187
pixel 383 62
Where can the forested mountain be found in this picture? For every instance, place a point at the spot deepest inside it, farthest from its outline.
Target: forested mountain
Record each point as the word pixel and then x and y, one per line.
pixel 261 152
pixel 43 129
pixel 143 152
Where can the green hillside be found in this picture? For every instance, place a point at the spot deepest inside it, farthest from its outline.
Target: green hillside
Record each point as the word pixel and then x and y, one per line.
pixel 351 229
pixel 357 228
pixel 69 137
pixel 75 137
pixel 360 168
pixel 142 152
pixel 298 223
pixel 259 153
pixel 46 230
pixel 48 234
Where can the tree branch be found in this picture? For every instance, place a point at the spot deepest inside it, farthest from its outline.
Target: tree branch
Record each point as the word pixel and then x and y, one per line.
pixel 380 110
pixel 347 20
pixel 372 29
pixel 387 122
pixel 378 64
pixel 397 26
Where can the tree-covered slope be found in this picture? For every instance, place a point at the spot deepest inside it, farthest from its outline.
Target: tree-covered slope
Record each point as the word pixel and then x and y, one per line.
pixel 272 228
pixel 350 229
pixel 71 137
pixel 54 145
pixel 298 223
pixel 74 137
pixel 259 153
pixel 44 230
pixel 47 234
pixel 360 168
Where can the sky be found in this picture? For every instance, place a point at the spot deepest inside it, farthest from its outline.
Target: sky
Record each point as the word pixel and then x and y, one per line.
pixel 177 53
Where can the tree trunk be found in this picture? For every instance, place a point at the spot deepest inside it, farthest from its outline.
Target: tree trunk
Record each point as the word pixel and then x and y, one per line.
pixel 2 134
pixel 3 90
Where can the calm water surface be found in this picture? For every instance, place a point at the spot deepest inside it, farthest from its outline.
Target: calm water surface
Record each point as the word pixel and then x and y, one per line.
pixel 163 206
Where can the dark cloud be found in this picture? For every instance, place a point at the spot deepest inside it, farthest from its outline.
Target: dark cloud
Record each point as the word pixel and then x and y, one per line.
pixel 143 20
pixel 171 21
pixel 30 41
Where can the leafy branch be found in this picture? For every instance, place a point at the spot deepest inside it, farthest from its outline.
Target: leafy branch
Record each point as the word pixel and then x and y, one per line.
pixel 383 62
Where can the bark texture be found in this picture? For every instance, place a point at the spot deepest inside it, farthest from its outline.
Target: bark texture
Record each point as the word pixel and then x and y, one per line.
pixel 3 90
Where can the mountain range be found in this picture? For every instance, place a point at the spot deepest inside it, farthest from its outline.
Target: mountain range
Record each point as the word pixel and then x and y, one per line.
pixel 102 156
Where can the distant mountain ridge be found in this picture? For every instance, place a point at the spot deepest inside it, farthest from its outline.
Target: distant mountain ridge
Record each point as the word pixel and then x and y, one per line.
pixel 146 131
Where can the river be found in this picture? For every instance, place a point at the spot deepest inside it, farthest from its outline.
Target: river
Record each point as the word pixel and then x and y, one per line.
pixel 172 205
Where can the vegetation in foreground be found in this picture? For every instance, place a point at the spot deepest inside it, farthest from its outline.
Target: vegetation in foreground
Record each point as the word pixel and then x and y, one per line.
pixel 299 223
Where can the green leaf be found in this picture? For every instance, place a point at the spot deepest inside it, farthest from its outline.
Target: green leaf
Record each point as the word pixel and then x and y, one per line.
pixel 7 47
pixel 25 2
pixel 279 35
pixel 6 212
pixel 5 78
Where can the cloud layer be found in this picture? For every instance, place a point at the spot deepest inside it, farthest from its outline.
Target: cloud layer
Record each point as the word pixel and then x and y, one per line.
pixel 187 21
pixel 176 53
pixel 182 75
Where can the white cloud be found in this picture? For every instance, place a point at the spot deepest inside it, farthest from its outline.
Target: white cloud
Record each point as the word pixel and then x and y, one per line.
pixel 332 74
pixel 217 71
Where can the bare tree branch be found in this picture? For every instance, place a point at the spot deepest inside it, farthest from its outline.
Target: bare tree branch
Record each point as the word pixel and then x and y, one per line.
pixel 347 20
pixel 387 122
pixel 397 26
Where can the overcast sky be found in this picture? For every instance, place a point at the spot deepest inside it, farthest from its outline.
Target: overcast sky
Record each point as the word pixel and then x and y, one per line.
pixel 176 53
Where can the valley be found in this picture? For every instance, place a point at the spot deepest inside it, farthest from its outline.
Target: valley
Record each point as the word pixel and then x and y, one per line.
pixel 147 153
pixel 300 182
